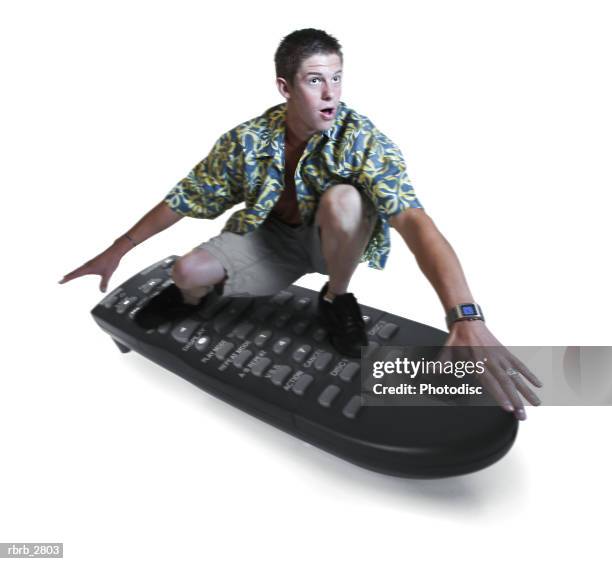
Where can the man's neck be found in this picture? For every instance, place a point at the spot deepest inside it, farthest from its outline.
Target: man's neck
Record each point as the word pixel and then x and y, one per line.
pixel 296 137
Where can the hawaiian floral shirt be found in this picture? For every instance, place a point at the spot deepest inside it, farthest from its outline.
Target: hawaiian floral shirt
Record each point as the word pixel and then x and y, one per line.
pixel 246 164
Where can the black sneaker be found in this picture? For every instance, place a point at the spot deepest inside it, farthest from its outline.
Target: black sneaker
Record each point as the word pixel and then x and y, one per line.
pixel 166 306
pixel 342 318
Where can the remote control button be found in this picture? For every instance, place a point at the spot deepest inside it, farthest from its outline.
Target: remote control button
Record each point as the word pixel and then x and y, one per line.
pixel 393 354
pixel 387 331
pixel 262 338
pixel 167 263
pixel 323 360
pixel 281 298
pixel 164 328
pixel 202 343
pixel 319 334
pixel 183 331
pixel 259 365
pixel 303 382
pixel 281 319
pixel 278 374
pixel 328 395
pixel 243 330
pixel 302 303
pixel 242 358
pixel 112 299
pixel 349 371
pixel 352 407
pixel 280 345
pixel 223 349
pixel 125 303
pixel 150 285
pixel 301 326
pixel 301 352
pixel 231 314
pixel 366 319
pixel 372 346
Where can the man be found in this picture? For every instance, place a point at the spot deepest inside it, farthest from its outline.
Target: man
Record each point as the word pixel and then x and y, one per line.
pixel 321 186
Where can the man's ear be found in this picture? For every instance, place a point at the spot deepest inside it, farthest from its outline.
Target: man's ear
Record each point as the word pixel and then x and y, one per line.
pixel 283 87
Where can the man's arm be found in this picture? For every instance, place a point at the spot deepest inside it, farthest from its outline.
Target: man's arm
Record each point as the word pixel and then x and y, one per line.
pixel 439 263
pixel 157 219
pixel 434 255
pixel 214 185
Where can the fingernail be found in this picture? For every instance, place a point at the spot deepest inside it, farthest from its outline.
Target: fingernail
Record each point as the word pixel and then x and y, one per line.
pixel 509 407
pixel 521 413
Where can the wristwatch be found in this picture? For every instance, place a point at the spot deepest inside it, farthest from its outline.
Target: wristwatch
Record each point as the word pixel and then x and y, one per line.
pixel 464 312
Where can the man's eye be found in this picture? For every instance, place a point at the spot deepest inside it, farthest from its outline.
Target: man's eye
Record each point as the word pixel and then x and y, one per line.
pixel 335 78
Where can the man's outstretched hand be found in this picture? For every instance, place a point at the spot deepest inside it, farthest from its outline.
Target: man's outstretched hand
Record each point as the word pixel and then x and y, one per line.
pixel 103 265
pixel 505 376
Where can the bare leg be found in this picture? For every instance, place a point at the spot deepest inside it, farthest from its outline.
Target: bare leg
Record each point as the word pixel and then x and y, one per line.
pixel 346 226
pixel 196 273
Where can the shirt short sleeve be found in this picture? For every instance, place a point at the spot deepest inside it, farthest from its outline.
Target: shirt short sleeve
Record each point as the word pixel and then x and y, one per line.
pixel 214 185
pixel 382 174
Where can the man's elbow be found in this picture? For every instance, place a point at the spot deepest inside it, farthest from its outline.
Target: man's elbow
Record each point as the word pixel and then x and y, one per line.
pixel 409 218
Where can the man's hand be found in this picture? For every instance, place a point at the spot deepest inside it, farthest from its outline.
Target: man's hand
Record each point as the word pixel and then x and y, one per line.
pixel 103 265
pixel 505 376
pixel 436 258
pixel 157 219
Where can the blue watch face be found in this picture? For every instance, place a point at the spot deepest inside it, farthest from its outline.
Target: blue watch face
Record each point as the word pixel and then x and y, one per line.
pixel 468 310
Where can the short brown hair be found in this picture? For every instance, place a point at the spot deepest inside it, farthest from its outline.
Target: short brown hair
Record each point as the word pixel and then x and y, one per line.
pixel 298 46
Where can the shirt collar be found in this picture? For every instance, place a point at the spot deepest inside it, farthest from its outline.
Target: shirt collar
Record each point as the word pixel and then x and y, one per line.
pixel 273 136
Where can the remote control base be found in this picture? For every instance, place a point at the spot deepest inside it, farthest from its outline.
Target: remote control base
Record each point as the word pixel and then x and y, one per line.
pixel 269 357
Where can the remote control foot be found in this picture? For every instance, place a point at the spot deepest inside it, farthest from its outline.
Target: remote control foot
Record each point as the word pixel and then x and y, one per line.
pixel 122 347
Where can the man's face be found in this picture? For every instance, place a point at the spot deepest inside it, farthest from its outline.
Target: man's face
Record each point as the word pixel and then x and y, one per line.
pixel 317 86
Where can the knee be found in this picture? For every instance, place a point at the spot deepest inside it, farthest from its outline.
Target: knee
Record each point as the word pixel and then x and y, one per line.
pixel 182 271
pixel 341 207
pixel 197 268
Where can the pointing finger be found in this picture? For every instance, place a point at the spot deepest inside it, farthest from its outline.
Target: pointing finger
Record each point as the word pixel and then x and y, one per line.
pixel 103 283
pixel 72 275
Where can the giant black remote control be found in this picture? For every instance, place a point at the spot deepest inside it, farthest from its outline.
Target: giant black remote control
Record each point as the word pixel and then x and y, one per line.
pixel 270 357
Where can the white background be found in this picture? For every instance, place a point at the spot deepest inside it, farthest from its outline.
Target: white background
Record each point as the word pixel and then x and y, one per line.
pixel 502 111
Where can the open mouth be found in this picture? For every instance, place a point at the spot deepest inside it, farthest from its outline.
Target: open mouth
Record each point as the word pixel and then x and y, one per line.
pixel 328 112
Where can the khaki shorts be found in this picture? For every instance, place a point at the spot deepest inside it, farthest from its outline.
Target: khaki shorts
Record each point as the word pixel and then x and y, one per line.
pixel 267 259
